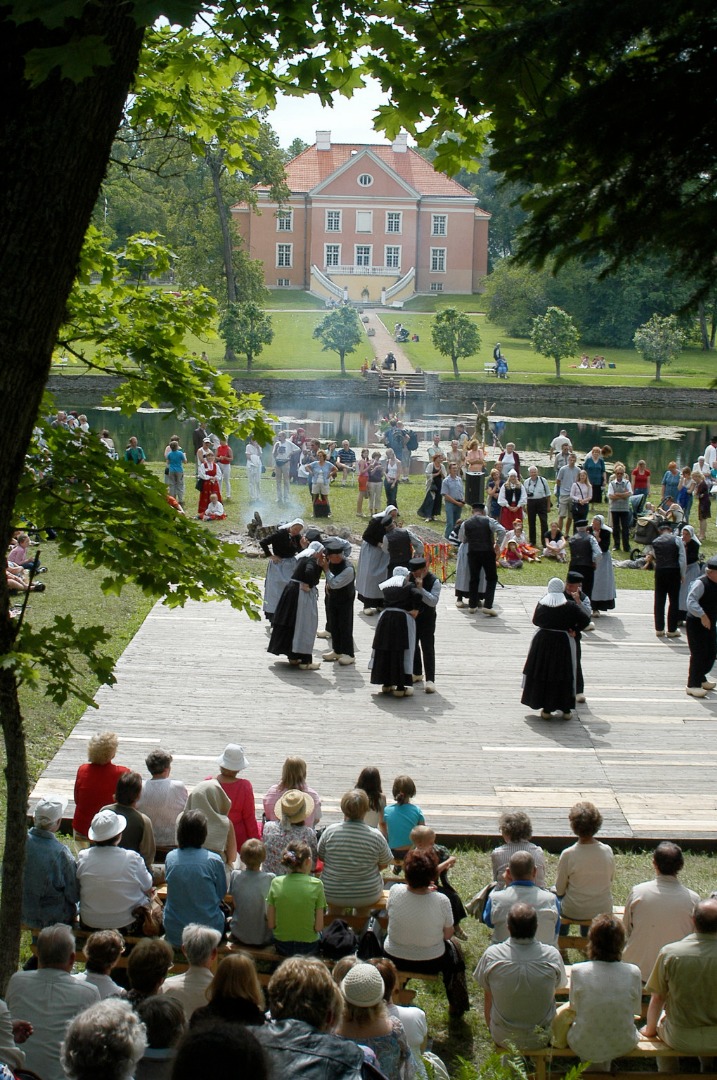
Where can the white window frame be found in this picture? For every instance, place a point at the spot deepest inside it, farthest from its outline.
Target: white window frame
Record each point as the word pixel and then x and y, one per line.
pixel 281 256
pixel 363 247
pixel 283 283
pixel 285 221
pixel 438 260
pixel 364 180
pixel 436 229
pixel 396 248
pixel 390 215
pixel 364 216
pixel 328 228
pixel 436 286
pixel 328 264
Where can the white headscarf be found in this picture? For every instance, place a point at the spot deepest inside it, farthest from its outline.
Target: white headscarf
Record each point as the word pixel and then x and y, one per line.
pixel 386 514
pixel 555 596
pixel 400 574
pixel 290 524
pixel 314 548
pixel 691 531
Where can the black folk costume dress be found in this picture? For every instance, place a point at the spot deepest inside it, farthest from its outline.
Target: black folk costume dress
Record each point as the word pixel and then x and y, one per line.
pixel 550 669
pixel 296 618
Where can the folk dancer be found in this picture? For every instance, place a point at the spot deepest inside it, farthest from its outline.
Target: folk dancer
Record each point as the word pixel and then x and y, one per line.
pixel 430 589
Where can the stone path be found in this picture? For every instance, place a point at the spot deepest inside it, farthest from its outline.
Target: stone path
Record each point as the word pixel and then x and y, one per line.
pixel 382 342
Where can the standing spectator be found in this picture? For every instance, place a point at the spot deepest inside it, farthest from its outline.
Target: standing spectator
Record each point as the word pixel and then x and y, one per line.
pixel 253 469
pixel 512 498
pixel 537 490
pixel 641 479
pixel 507 461
pixel 519 977
pixel 392 477
pixel 108 443
pixel 658 912
pixel 436 473
pixel 670 569
pixel 176 460
pixel 567 475
pixel 619 491
pixel 686 492
pixel 453 494
pixel 375 474
pixel 225 456
pixel 557 444
pixel 281 453
pixel 209 475
pixel 346 461
pixel 492 491
pixel 594 466
pixel 200 945
pixel 134 452
pixel 95 782
pixel 580 494
pixel 562 458
pixel 455 455
pixel 710 452
pixel 362 468
pixel 49 886
pixel 704 505
pixel 49 999
pixel 198 436
pixel 670 482
pixel 162 799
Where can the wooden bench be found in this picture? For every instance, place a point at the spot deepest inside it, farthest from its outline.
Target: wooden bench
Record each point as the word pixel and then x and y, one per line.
pixel 646 1048
pixel 489 368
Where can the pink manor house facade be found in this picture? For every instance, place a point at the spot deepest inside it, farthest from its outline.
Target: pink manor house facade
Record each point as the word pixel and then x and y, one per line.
pixel 367 223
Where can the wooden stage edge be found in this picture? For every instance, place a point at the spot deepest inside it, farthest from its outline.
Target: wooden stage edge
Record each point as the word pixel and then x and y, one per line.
pixel 195 679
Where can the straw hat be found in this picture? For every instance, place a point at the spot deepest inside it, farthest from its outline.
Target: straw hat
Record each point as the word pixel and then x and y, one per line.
pixel 294 805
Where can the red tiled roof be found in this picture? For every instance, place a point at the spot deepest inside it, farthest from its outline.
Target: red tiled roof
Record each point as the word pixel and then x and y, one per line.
pixel 313 166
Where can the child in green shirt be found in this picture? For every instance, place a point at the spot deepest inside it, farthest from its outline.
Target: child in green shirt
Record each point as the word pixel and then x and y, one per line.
pixel 295 904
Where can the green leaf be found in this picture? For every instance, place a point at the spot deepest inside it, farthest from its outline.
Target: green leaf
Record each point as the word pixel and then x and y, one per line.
pixel 76 59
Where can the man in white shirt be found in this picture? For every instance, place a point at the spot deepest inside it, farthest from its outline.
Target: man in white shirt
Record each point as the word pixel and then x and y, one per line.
pixel 658 912
pixel 162 799
pixel 711 452
pixel 49 999
pixel 521 888
pixel 558 443
pixel 519 977
pixel 199 945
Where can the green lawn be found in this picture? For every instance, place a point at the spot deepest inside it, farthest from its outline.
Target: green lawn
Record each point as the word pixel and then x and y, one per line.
pixel 435 301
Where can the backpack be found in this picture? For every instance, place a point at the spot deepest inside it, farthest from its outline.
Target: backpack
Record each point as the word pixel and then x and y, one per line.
pixel 337 940
pixel 412 443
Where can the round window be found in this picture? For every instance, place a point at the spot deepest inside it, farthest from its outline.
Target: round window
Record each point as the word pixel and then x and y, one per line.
pixel 365 180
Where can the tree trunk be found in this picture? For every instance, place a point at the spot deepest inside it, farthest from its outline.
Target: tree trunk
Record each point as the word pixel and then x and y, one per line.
pixel 229 355
pixel 703 325
pixel 456 373
pixel 55 141
pixel 658 370
pixel 557 366
pixel 342 358
pixel 214 161
pixel 249 360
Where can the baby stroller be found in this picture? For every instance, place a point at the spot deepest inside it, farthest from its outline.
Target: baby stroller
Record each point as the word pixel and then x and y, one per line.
pixel 647 530
pixel 402 335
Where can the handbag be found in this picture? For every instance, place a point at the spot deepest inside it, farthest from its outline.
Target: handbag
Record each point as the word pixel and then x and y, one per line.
pixel 199 485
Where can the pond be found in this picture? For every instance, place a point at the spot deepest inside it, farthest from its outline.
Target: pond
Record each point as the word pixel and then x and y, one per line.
pixel 630 438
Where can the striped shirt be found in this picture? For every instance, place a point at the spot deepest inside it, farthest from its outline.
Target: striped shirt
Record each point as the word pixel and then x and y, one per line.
pixel 351 852
pixel 500 857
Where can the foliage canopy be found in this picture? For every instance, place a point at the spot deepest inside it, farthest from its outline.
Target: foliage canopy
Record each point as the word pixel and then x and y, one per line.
pixel 456 335
pixel 341 332
pixel 555 334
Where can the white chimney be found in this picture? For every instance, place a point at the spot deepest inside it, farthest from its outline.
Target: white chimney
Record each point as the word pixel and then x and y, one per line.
pixel 400 143
pixel 323 140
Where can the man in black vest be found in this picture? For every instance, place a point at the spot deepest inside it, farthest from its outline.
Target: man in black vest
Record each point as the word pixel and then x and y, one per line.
pixel 401 545
pixel 430 587
pixel 702 630
pixel 484 537
pixel 670 567
pixel 585 554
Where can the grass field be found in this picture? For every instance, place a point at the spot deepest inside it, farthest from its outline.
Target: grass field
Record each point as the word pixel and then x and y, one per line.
pixel 71 586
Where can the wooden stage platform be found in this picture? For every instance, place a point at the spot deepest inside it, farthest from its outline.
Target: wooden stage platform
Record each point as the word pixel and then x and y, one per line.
pixel 645 753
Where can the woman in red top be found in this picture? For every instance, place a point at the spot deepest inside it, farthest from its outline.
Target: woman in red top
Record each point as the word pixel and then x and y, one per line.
pixel 210 474
pixel 641 479
pixel 242 813
pixel 95 782
pixel 225 456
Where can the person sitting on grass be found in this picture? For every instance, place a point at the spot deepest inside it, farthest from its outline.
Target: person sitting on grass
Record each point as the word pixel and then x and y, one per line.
pixel 423 838
pixel 214 510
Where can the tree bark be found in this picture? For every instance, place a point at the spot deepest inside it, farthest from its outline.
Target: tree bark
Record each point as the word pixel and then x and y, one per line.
pixel 456 373
pixel 55 141
pixel 214 161
pixel 703 325
pixel 557 366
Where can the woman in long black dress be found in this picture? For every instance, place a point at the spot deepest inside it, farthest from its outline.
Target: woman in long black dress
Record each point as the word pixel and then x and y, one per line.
pixel 549 672
pixel 394 642
pixel 296 618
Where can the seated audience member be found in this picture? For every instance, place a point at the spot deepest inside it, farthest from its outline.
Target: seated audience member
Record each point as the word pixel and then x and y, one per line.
pixel 658 912
pixel 521 888
pixel 293 778
pixel 233 1049
pixel 249 889
pixel 95 782
pixel 586 869
pixel 354 855
pixel 113 881
pixel 605 995
pixel 162 798
pixel 196 881
pixel 519 977
pixel 402 815
pixel 147 968
pixel 420 926
pixel 20 554
pixel 369 780
pixel 242 812
pixel 49 884
pixel 305 1005
pixel 210 798
pixel 554 543
pixel 683 1005
pixel 48 999
pixel 214 510
pixel 138 834
pixel 102 952
pixel 107 1040
pixel 413 1019
pixel 296 903
pixel 12 1034
pixel 294 808
pixel 516 829
pixel 423 838
pixel 365 1021
pixel 165 1023
pixel 199 945
pixel 234 995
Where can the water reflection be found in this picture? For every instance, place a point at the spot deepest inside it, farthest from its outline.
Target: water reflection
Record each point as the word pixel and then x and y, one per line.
pixel 657 442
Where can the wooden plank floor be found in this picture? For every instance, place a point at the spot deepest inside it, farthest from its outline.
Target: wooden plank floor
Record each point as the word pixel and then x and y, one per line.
pixel 195 679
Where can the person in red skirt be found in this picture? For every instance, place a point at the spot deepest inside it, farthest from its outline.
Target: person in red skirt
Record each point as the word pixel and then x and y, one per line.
pixel 210 476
